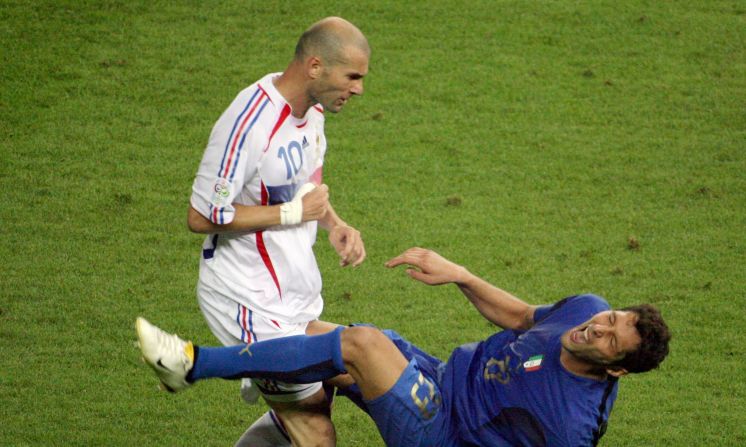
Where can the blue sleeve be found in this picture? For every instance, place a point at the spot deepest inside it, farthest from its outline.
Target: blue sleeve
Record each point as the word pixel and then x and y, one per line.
pixel 541 312
pixel 594 302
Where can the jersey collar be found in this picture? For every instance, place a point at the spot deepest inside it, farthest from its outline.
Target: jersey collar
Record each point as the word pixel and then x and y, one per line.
pixel 276 98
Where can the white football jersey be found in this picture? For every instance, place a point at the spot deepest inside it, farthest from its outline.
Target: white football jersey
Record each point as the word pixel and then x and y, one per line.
pixel 260 154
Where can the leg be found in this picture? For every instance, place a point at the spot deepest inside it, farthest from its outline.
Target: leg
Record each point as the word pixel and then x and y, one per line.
pixel 308 421
pixel 264 432
pixel 401 401
pixel 303 420
pixel 268 431
pixel 373 361
pixel 364 350
pixel 388 382
pixel 319 327
pixel 305 417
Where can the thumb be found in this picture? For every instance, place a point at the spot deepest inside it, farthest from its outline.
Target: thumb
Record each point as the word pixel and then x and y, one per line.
pixel 418 275
pixel 393 262
pixel 303 190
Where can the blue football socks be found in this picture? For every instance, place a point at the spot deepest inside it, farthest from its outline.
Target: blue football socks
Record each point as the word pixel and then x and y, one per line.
pixel 296 359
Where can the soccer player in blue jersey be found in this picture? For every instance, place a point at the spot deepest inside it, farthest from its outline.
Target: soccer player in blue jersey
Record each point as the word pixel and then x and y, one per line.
pixel 548 379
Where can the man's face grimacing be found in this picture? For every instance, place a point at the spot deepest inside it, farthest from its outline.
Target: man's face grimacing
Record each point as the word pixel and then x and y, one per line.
pixel 604 339
pixel 339 82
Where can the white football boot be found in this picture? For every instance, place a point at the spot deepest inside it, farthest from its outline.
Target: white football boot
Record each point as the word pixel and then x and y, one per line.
pixel 170 357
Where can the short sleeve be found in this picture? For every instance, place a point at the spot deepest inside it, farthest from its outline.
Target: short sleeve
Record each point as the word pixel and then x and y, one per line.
pixel 229 162
pixel 586 303
pixel 542 311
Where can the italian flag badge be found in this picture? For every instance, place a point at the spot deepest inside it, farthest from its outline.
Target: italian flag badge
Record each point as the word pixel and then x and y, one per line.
pixel 533 363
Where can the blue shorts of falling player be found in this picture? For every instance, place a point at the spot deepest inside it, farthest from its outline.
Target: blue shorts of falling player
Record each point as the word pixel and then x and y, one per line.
pixel 412 412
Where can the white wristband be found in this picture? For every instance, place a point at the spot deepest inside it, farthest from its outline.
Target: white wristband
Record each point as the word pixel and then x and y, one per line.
pixel 291 213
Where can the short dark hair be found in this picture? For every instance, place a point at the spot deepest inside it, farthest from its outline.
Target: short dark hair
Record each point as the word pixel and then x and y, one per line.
pixel 328 39
pixel 654 336
pixel 319 40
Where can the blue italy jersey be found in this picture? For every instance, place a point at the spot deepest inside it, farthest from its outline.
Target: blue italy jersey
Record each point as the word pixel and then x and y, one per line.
pixel 511 390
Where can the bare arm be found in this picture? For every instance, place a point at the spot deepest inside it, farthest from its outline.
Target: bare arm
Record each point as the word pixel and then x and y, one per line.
pixel 246 219
pixel 252 218
pixel 330 219
pixel 345 239
pixel 495 304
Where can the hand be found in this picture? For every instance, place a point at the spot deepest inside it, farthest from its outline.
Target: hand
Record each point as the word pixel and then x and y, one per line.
pixel 430 267
pixel 315 203
pixel 349 245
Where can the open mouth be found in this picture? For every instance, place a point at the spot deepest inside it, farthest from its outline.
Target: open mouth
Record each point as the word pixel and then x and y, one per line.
pixel 581 336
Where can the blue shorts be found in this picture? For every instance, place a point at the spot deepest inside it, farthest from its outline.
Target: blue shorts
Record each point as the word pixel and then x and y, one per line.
pixel 411 413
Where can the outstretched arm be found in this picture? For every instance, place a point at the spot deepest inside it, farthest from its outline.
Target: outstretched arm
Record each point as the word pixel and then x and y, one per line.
pixel 495 304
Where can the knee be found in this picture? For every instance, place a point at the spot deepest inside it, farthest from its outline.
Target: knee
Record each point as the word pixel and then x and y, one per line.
pixel 359 342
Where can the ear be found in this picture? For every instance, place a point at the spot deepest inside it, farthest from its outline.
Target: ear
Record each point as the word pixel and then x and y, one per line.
pixel 314 67
pixel 616 371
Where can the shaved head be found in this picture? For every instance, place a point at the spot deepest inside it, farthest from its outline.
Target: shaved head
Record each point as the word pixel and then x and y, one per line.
pixel 328 39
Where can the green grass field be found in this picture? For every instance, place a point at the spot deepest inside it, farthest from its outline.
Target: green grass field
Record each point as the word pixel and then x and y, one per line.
pixel 553 147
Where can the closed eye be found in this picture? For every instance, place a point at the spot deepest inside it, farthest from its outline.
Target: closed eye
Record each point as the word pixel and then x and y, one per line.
pixel 613 342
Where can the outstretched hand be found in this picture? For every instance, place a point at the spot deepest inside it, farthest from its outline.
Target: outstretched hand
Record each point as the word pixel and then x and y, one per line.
pixel 429 267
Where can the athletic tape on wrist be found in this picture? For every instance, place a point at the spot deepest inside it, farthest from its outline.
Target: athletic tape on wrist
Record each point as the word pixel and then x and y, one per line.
pixel 291 213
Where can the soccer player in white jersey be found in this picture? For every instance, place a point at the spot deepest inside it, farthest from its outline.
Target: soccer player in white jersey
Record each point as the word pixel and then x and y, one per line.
pixel 259 197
